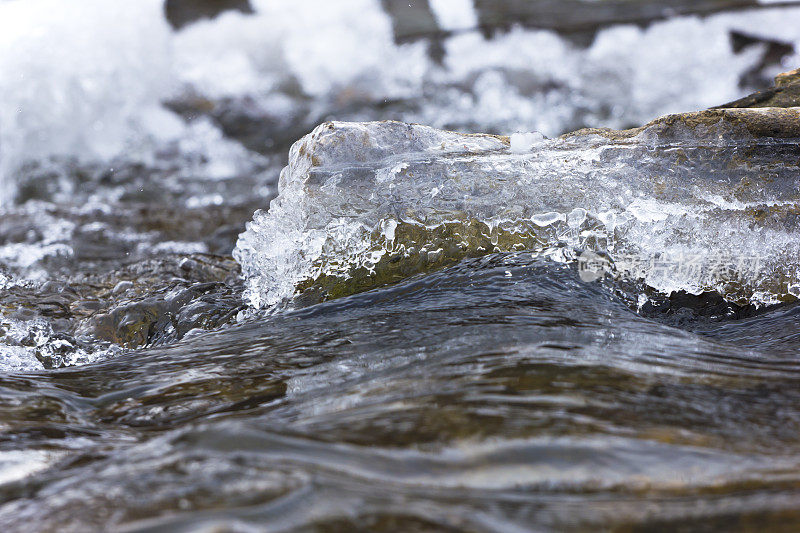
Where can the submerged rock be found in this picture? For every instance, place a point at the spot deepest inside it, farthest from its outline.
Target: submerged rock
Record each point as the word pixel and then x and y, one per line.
pixel 691 202
pixel 95 315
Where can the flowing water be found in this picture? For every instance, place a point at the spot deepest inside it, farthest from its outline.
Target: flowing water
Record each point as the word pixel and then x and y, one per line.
pixel 407 338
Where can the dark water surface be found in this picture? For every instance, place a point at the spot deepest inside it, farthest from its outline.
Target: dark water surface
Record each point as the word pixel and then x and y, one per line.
pixel 501 394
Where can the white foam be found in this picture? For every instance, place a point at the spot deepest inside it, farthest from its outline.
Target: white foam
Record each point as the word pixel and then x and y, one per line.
pixel 523 142
pixel 24 341
pixel 454 14
pixel 19 464
pixel 18 359
pixel 534 80
pixel 76 81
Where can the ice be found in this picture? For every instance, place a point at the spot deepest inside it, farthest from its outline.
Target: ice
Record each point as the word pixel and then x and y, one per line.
pixel 281 248
pixel 523 142
pixel 547 219
pixel 355 208
pixel 25 345
pixel 91 82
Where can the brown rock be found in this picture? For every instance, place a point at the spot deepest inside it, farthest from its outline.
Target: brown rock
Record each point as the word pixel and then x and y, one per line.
pixel 785 93
pixel 759 122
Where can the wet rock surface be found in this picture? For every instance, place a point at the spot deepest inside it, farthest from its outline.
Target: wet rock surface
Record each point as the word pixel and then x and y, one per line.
pixel 758 121
pixel 151 302
pixel 784 93
pixel 101 260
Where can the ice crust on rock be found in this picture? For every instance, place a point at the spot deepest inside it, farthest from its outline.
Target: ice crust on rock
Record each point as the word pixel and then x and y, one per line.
pixel 703 208
pixel 311 219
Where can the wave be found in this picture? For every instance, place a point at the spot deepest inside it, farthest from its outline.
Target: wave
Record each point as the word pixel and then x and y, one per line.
pixel 681 206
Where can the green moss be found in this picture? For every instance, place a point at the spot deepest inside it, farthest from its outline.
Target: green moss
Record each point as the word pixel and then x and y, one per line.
pixel 417 249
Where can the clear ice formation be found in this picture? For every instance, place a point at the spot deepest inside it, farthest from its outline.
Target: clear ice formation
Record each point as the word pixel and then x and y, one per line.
pixel 363 204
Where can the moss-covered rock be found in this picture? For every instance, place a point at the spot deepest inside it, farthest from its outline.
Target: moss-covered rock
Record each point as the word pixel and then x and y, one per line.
pixel 758 122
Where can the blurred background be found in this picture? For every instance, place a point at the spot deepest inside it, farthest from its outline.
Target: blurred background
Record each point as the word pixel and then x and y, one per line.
pixel 224 82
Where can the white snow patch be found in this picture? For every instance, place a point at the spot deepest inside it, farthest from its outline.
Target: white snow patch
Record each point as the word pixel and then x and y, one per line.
pixel 523 142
